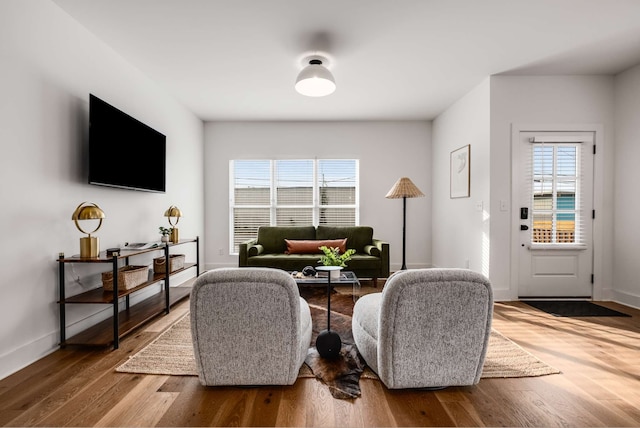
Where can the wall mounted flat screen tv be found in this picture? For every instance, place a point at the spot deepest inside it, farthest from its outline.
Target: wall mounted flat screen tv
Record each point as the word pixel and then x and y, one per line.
pixel 124 152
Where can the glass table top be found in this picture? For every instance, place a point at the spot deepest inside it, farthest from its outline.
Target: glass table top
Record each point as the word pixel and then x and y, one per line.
pixel 346 277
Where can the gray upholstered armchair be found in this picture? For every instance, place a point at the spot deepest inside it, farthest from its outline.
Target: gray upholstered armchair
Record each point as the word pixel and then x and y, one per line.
pixel 249 327
pixel 428 328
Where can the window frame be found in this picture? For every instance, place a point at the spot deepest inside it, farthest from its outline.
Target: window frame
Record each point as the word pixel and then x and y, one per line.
pixel 273 206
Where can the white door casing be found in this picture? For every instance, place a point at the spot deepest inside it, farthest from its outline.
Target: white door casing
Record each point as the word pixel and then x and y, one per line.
pixel 553 241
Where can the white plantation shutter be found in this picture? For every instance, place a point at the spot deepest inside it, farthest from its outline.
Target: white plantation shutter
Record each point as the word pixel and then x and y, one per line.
pixel 338 192
pixel 250 200
pixel 296 192
pixel 555 180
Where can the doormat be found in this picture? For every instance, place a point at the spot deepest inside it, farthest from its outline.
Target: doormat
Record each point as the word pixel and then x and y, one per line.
pixel 573 308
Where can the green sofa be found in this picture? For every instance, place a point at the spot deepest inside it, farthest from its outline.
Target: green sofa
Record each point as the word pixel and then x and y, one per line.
pixel 269 249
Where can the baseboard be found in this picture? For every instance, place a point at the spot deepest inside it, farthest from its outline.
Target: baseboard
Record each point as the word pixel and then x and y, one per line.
pixel 626 298
pixel 21 357
pixel 29 353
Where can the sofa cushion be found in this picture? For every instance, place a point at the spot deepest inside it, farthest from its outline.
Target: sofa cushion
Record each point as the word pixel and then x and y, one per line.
pixel 288 262
pixel 360 262
pixel 298 246
pixel 272 237
pixel 357 236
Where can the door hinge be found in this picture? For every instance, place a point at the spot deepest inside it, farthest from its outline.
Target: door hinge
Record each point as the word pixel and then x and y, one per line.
pixel 594 149
pixel 592 278
pixel 593 214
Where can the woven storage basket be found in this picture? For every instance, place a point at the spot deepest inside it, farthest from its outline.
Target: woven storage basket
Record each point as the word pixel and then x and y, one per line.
pixel 128 277
pixel 176 261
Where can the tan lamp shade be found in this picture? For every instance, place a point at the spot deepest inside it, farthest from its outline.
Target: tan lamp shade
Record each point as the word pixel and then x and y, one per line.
pixel 89 245
pixel 404 188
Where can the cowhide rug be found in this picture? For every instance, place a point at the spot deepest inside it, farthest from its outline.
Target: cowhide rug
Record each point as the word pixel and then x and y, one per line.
pixel 341 374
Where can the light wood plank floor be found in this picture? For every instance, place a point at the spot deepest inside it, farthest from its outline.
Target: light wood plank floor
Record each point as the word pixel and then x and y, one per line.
pixel 599 386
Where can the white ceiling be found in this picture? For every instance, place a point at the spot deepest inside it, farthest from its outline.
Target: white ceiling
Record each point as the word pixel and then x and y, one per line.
pixel 400 59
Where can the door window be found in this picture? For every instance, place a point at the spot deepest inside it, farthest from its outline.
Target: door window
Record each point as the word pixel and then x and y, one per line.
pixel 555 193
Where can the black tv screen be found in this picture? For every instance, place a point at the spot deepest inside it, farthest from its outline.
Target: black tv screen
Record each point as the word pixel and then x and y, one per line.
pixel 124 152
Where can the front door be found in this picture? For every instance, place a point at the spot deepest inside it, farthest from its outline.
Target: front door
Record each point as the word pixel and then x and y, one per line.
pixel 554 215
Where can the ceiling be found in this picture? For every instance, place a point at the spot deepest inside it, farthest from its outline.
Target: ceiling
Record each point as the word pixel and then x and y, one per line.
pixel 392 60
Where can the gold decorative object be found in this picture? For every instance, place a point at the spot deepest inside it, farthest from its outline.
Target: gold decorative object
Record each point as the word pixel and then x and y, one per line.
pixel 89 245
pixel 404 188
pixel 173 211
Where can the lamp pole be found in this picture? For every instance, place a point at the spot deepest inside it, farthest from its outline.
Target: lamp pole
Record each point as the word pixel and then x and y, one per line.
pixel 404 234
pixel 404 188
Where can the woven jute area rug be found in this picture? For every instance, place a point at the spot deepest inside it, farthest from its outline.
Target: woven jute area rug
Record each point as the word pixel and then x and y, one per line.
pixel 172 354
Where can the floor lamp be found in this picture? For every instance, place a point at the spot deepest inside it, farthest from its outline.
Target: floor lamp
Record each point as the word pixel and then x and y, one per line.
pixel 404 188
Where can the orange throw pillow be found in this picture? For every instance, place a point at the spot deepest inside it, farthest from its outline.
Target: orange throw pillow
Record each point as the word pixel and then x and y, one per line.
pixel 298 246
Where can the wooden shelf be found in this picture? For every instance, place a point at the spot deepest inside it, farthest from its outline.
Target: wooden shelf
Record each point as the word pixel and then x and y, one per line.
pixel 101 334
pixel 102 257
pixel 101 296
pixel 109 332
pixel 160 276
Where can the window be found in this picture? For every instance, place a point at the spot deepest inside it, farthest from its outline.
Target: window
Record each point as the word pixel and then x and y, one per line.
pixel 555 193
pixel 297 192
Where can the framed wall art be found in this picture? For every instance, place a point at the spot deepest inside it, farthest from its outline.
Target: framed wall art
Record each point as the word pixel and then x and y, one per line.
pixel 460 178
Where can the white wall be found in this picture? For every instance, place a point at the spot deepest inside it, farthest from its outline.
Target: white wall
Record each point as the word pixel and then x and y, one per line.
pixel 387 151
pixel 553 101
pixel 50 64
pixel 626 178
pixel 461 225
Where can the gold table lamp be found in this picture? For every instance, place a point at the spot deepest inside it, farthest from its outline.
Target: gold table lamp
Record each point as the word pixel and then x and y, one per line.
pixel 173 211
pixel 89 245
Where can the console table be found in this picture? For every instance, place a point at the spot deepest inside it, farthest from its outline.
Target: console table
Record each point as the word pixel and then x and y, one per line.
pixel 110 331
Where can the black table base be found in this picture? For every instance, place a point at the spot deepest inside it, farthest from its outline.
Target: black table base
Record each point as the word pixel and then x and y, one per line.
pixel 328 342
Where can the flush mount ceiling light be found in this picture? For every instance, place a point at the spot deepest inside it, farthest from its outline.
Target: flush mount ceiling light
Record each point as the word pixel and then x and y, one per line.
pixel 315 79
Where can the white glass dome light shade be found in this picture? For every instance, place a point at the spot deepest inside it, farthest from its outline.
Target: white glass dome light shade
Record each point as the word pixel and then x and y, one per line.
pixel 315 80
